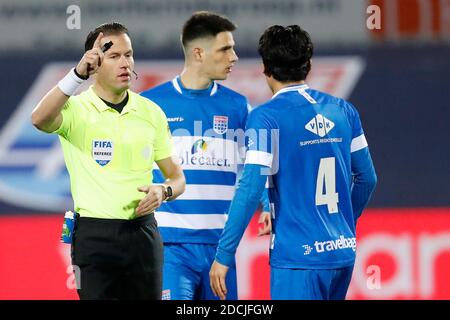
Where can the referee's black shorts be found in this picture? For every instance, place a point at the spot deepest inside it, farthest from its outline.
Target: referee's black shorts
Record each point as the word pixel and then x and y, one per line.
pixel 118 259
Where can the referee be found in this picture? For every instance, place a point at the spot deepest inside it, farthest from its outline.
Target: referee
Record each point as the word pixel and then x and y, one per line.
pixel 110 137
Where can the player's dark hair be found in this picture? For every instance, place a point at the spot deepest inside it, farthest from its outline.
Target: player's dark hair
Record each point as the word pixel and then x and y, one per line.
pixel 286 53
pixel 112 28
pixel 205 24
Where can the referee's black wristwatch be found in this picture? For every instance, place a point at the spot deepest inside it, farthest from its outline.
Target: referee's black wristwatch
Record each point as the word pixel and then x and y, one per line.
pixel 167 192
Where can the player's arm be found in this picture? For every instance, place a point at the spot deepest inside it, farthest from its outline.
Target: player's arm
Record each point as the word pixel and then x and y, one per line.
pixel 264 218
pixel 47 115
pixel 364 180
pixel 155 193
pixel 244 204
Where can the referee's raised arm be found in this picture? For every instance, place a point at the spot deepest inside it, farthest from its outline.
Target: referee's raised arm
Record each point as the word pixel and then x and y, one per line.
pixel 47 115
pixel 111 137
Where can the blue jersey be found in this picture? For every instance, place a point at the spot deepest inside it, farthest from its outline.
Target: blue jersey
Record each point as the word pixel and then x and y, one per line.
pixel 205 126
pixel 311 136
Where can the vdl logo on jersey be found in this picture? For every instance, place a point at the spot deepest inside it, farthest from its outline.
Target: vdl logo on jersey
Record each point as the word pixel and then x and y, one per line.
pixel 102 151
pixel 320 125
pixel 220 124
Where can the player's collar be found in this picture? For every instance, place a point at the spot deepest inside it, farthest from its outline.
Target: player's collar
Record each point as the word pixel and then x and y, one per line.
pixel 210 91
pixel 296 87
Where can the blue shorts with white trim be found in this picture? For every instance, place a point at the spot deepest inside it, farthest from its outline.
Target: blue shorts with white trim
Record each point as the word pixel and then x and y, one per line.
pixel 186 272
pixel 309 284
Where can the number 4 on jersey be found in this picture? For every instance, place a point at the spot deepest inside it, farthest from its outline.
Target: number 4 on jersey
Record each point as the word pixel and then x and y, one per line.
pixel 327 175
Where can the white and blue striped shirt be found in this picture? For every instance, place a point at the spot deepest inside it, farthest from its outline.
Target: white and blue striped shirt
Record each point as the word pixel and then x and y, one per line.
pixel 207 127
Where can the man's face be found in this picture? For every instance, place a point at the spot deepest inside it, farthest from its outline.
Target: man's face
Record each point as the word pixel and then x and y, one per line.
pixel 219 56
pixel 118 63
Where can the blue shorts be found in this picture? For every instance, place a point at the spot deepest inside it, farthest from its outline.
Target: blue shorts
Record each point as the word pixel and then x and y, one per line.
pixel 309 284
pixel 186 273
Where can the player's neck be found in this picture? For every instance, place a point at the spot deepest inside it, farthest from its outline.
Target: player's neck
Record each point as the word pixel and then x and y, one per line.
pixel 277 86
pixel 109 95
pixel 192 79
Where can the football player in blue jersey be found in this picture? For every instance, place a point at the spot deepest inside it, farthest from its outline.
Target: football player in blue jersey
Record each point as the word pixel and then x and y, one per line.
pixel 321 177
pixel 207 121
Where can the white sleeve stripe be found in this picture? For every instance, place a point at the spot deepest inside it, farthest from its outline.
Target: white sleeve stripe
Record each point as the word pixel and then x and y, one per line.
pixel 358 143
pixel 259 157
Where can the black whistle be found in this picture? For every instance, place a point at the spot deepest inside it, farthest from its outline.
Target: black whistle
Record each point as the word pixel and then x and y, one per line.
pixel 106 46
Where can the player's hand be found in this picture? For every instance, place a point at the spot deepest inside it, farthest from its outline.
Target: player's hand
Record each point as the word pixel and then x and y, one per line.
pixel 92 59
pixel 266 222
pixel 152 201
pixel 217 276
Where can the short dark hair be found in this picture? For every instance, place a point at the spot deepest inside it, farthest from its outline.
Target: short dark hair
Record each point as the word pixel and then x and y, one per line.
pixel 286 53
pixel 112 28
pixel 205 24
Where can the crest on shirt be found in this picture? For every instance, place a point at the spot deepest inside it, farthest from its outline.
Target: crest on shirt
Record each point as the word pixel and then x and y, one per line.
pixel 220 124
pixel 102 151
pixel 165 294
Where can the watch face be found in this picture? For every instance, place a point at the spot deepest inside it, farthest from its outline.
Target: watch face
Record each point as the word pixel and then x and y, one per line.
pixel 169 191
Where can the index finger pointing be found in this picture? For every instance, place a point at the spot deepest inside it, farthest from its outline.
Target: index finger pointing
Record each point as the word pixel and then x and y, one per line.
pixel 98 40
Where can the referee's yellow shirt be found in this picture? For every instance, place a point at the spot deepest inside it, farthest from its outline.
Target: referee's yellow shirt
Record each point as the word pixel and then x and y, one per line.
pixel 109 155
